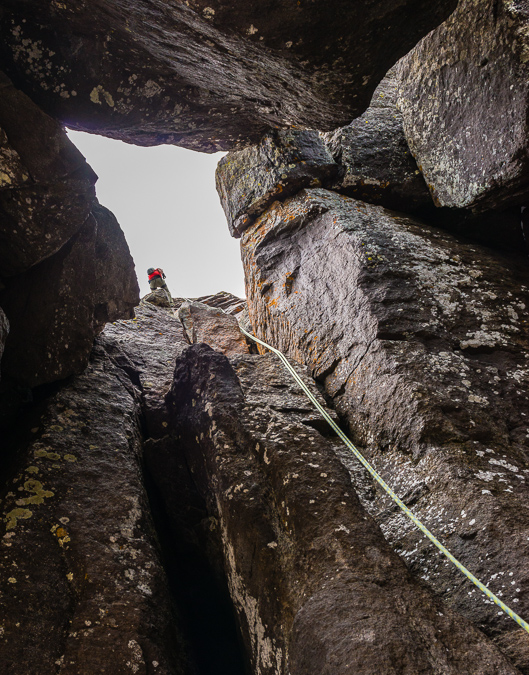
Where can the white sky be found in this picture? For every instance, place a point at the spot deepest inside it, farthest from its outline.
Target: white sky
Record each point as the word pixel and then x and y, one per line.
pixel 165 200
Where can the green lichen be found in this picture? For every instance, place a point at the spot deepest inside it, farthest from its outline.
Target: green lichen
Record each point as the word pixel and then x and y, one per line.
pixel 39 493
pixel 15 515
pixel 49 455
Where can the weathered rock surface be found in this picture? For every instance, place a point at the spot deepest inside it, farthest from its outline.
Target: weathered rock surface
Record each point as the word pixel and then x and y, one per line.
pixel 249 181
pixel 212 326
pixel 315 586
pixel 46 186
pixel 57 307
pixel 65 266
pixel 230 303
pixel 207 75
pixel 422 343
pixel 253 499
pixel 464 95
pixel 116 286
pixel 147 348
pixel 83 589
pixel 376 163
pixel 158 297
pixel 99 599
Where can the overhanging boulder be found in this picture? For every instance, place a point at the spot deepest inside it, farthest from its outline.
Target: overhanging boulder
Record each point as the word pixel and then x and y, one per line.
pixel 207 75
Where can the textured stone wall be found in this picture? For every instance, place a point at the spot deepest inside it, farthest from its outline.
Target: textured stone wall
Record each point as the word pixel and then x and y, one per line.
pixel 464 96
pixel 421 341
pixel 207 75
pixel 65 267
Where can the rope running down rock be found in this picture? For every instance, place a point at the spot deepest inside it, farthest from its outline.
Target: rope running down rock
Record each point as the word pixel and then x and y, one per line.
pixel 386 487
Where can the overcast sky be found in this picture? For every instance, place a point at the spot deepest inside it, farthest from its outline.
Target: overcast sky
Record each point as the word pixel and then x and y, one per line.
pixel 165 200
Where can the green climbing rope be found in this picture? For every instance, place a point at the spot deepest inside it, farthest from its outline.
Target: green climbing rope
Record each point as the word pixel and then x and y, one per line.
pixel 386 487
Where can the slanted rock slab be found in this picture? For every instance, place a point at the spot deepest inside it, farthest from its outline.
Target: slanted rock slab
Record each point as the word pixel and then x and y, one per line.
pixel 422 343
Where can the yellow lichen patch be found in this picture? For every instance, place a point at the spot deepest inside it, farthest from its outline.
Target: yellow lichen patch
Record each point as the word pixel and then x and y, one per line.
pixel 54 456
pixel 5 179
pixel 15 515
pixel 32 469
pixel 99 91
pixel 39 493
pixel 56 427
pixel 70 458
pixel 60 532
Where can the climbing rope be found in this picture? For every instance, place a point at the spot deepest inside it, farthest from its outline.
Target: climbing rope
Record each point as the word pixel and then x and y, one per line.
pixel 386 487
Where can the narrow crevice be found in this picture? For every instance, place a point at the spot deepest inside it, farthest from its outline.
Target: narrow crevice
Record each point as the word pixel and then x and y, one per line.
pixel 201 600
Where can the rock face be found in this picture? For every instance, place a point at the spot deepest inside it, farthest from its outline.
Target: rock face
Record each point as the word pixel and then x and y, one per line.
pixel 66 268
pixel 177 507
pixel 207 75
pixel 464 96
pixel 368 160
pixel 305 563
pixel 421 342
pixel 83 588
pixel 284 162
pixel 207 324
pixel 260 518
pixel 376 163
pixel 4 330
pixel 46 187
pixel 230 303
pixel 56 308
pixel 158 297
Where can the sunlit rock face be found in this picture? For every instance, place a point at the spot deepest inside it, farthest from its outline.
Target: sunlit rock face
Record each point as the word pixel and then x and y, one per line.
pixel 207 324
pixel 207 75
pixel 421 341
pixel 464 96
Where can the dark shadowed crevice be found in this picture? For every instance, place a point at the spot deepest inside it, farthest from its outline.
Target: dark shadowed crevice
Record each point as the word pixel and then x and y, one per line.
pixel 199 592
pixel 20 412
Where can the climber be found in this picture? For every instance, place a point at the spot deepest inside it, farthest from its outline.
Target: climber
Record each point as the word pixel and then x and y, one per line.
pixel 156 280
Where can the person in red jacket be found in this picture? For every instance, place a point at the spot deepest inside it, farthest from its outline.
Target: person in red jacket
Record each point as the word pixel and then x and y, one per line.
pixel 156 279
